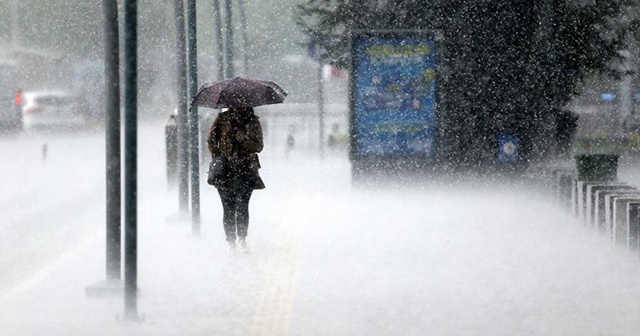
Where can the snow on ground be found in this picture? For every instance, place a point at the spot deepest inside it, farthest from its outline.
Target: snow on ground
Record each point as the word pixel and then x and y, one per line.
pixel 330 259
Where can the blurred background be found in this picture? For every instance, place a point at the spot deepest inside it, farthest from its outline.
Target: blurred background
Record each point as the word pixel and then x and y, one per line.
pixel 57 45
pixel 54 49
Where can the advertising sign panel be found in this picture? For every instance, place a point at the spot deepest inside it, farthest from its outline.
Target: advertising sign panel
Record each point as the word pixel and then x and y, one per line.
pixel 508 148
pixel 393 94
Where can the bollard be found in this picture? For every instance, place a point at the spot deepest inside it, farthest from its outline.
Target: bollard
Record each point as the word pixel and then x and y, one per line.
pixel 590 197
pixel 609 200
pixel 565 184
pixel 585 192
pixel 598 193
pixel 44 152
pixel 621 232
pixel 555 182
pixel 633 210
pixel 574 196
pixel 171 142
pixel 561 185
pixel 581 201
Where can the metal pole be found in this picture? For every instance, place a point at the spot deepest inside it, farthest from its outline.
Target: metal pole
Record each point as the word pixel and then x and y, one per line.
pixel 219 41
pixel 228 39
pixel 183 144
pixel 243 24
pixel 131 154
pixel 320 109
pixel 112 139
pixel 193 118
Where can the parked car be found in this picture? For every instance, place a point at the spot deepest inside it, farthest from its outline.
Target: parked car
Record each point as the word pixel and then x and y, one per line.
pixel 10 116
pixel 51 109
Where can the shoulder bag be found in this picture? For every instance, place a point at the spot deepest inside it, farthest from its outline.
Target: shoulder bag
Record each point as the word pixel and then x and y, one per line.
pixel 218 169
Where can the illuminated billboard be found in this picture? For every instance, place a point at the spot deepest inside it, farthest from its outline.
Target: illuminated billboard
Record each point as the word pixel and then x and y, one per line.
pixel 393 94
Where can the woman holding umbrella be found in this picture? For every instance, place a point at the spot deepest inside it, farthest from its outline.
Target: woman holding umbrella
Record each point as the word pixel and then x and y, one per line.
pixel 236 134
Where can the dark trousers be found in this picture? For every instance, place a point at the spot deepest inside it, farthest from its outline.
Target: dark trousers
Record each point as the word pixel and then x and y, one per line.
pixel 235 206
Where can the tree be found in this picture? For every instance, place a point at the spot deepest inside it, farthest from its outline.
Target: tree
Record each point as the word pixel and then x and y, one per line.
pixel 510 65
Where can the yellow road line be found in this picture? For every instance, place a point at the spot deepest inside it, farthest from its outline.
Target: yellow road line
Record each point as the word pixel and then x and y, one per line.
pixel 274 309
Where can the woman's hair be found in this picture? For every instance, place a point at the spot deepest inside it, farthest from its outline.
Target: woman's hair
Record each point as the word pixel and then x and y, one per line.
pixel 247 110
pixel 241 114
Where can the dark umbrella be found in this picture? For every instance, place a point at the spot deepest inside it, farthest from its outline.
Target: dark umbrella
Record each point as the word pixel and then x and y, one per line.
pixel 239 92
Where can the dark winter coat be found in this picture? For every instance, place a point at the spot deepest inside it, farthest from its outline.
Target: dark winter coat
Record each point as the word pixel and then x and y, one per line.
pixel 239 140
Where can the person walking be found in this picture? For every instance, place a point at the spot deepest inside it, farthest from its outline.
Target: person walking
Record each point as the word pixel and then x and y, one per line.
pixel 236 134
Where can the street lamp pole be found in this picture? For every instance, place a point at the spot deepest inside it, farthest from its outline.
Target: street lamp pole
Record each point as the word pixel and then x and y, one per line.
pixel 113 159
pixel 229 72
pixel 194 134
pixel 217 20
pixel 245 43
pixel 112 134
pixel 183 144
pixel 131 158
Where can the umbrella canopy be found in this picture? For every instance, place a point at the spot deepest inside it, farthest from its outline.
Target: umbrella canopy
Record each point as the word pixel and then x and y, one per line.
pixel 239 92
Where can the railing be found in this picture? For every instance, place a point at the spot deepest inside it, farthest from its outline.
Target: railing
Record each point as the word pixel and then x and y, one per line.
pixel 597 200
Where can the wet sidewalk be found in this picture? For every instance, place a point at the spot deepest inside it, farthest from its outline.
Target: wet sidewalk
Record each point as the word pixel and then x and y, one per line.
pixel 329 259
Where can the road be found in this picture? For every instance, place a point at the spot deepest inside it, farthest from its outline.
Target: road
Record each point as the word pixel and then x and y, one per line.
pixel 475 258
pixel 53 195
